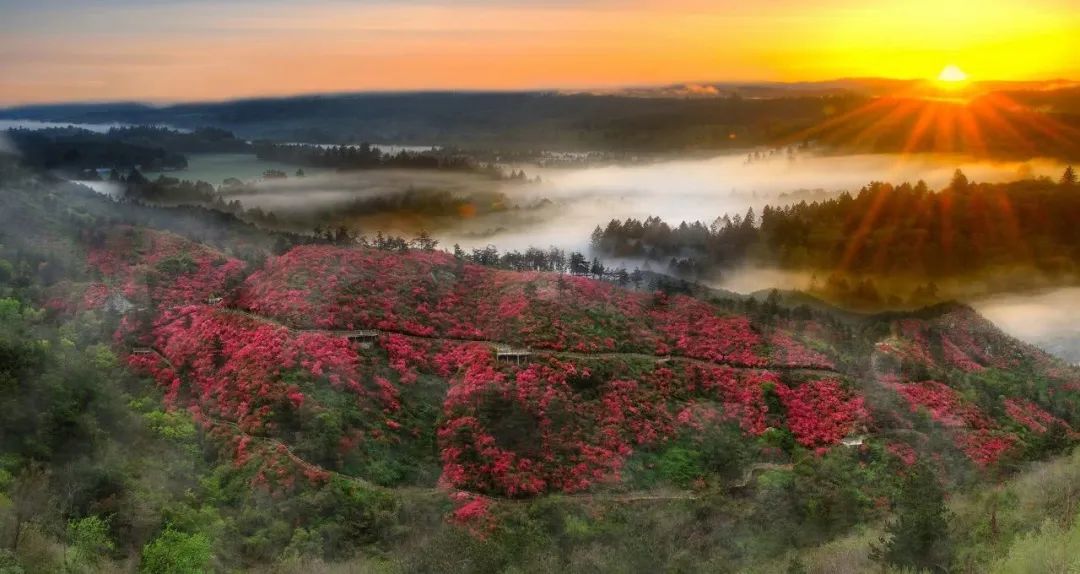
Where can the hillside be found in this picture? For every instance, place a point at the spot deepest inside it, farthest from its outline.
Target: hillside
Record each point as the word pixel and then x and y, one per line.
pixel 607 372
pixel 421 412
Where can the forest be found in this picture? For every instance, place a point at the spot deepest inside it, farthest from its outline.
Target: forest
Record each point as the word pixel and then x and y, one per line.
pixel 366 156
pixel 884 232
pixel 81 152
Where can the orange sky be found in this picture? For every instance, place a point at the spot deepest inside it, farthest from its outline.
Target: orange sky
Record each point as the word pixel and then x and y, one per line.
pixel 196 49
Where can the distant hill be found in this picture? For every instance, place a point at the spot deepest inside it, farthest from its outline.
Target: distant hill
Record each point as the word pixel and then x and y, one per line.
pixel 711 116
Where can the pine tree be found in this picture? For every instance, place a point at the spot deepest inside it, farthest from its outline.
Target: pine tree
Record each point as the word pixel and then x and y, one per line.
pixel 1069 177
pixel 917 536
pixel 959 181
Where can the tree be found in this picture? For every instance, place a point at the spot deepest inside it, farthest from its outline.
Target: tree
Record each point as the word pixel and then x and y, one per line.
pixel 176 552
pixel 917 537
pixel 596 269
pixel 89 539
pixel 425 242
pixel 578 264
pixel 30 500
pixel 597 238
pixel 1068 178
pixel 959 181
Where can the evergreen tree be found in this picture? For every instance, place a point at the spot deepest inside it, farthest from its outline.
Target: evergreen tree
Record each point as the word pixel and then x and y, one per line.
pixel 959 181
pixel 1068 178
pixel 917 537
pixel 596 269
pixel 578 264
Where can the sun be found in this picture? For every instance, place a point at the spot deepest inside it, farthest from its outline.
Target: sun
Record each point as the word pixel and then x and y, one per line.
pixel 952 75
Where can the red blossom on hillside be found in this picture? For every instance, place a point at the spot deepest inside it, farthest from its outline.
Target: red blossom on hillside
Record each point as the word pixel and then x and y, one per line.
pixel 1031 415
pixel 903 452
pixel 821 413
pixel 785 350
pixel 984 447
pixel 944 404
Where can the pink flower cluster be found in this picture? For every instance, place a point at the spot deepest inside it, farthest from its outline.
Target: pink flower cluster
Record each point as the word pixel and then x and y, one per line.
pixel 1031 415
pixel 983 446
pixel 903 452
pixel 789 352
pixel 821 413
pixel 975 433
pixel 473 512
pixel 692 328
pixel 944 404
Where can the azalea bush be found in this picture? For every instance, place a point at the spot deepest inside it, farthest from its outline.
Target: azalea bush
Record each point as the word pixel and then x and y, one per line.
pixel 821 413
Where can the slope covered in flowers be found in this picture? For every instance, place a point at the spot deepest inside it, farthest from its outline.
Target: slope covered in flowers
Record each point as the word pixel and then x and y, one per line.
pixel 433 294
pixel 616 378
pixel 993 395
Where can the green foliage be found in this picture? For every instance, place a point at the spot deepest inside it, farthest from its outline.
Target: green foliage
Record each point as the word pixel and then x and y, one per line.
pixel 177 265
pixel 175 552
pixel 9 563
pixel 1051 548
pixel 917 536
pixel 89 540
pixel 7 271
pixel 680 465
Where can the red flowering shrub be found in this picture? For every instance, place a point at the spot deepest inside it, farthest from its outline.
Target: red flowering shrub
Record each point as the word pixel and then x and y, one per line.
pixel 916 345
pixel 786 351
pixel 975 433
pixel 958 358
pixel 740 392
pixel 407 356
pixel 821 413
pixel 693 329
pixel 1031 415
pixel 943 403
pixel 903 452
pixel 95 296
pixel 521 433
pixel 473 512
pixel 984 447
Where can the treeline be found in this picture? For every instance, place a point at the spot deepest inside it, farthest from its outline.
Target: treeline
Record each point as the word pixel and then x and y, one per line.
pixel 552 259
pixel 424 201
pixel 895 230
pixel 199 140
pixel 366 156
pixel 78 150
pixel 151 148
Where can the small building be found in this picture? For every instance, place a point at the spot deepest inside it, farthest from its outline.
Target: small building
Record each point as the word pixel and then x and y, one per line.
pixel 365 337
pixel 511 354
pixel 117 303
pixel 214 300
pixel 142 351
pixel 852 441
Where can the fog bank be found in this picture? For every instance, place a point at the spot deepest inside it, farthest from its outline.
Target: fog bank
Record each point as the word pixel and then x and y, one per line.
pixel 1049 320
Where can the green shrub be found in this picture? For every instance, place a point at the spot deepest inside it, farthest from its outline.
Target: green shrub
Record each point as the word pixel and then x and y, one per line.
pixel 174 552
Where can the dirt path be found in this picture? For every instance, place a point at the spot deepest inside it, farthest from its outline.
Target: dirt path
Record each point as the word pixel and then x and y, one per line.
pixel 553 353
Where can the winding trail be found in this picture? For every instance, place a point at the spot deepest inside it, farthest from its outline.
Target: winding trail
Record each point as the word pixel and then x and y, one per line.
pixel 579 355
